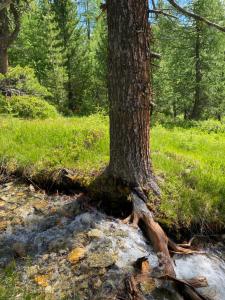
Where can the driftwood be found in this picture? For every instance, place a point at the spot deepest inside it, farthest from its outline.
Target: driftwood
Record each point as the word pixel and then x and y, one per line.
pixel 161 244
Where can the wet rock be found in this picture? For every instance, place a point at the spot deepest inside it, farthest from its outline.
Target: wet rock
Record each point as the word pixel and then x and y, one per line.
pixel 95 233
pixel 58 244
pixel 42 280
pixel 76 254
pixel 101 259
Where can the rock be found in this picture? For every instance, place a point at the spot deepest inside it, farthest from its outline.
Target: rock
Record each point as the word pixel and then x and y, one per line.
pixel 101 259
pixel 56 245
pixel 2 203
pixel 40 205
pixel 45 257
pixel 2 214
pixel 95 233
pixel 3 224
pixel 83 285
pixel 33 270
pixel 98 283
pixel 48 289
pixel 19 249
pixel 4 198
pixel 76 254
pixel 42 280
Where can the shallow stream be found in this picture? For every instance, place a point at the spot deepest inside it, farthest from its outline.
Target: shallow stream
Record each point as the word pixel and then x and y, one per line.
pixel 65 250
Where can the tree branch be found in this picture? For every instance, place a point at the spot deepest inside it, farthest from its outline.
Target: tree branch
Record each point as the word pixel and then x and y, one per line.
pixel 161 12
pixel 195 16
pixel 155 55
pixel 153 4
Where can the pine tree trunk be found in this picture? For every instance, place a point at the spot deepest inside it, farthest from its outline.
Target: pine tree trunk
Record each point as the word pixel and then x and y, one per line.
pixel 197 108
pixel 129 92
pixel 3 60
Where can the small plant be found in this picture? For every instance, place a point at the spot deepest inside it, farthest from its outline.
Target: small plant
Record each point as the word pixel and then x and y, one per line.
pixel 27 107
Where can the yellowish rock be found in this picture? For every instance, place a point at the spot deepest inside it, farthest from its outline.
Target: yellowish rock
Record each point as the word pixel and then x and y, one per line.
pixel 3 225
pixel 75 255
pixel 2 203
pixel 41 280
pixel 40 204
pixel 95 233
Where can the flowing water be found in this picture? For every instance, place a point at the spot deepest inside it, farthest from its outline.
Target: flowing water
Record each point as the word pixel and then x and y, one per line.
pixel 47 228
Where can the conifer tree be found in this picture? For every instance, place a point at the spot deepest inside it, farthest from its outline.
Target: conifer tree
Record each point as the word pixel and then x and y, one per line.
pixel 74 48
pixel 38 46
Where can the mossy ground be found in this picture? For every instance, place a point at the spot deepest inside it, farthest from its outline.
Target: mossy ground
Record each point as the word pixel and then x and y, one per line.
pixel 189 160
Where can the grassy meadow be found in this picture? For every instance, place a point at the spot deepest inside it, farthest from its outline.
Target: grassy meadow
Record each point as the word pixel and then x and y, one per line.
pixel 189 159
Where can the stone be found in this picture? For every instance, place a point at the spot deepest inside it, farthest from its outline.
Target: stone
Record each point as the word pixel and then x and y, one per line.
pixel 2 214
pixel 3 224
pixel 76 254
pixel 42 280
pixel 56 245
pixel 40 205
pixel 4 198
pixel 2 203
pixel 95 233
pixel 19 249
pixel 32 270
pixel 98 284
pixel 101 259
pixel 48 289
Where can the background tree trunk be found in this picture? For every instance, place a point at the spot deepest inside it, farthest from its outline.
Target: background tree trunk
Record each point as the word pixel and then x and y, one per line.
pixel 129 92
pixel 197 108
pixel 3 61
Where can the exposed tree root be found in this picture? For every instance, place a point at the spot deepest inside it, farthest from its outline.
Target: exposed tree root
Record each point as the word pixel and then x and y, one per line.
pixel 161 245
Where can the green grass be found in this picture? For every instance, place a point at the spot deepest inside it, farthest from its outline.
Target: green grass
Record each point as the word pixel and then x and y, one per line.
pixel 190 162
pixel 10 288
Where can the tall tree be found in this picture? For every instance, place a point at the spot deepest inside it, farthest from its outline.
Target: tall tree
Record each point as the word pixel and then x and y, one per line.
pixel 129 96
pixel 10 17
pixel 74 47
pixel 129 92
pixel 38 46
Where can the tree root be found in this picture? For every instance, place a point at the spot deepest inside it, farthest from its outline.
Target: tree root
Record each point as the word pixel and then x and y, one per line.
pixel 161 245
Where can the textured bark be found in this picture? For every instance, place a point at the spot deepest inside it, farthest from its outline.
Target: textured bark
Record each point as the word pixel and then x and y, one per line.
pixel 8 36
pixel 197 108
pixel 3 61
pixel 129 92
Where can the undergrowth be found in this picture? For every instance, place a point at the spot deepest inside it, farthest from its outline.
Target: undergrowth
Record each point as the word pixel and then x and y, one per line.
pixel 189 161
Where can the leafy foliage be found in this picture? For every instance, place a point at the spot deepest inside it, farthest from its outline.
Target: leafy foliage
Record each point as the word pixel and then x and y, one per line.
pixel 28 107
pixel 24 81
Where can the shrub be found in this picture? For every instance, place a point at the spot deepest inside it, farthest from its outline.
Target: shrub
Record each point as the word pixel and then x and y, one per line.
pixel 28 107
pixel 23 81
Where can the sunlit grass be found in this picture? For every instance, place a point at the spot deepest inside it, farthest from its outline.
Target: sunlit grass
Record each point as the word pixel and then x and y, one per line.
pixel 190 163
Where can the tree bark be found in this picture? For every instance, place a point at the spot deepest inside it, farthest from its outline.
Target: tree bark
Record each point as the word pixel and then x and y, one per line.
pixel 3 61
pixel 129 92
pixel 197 108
